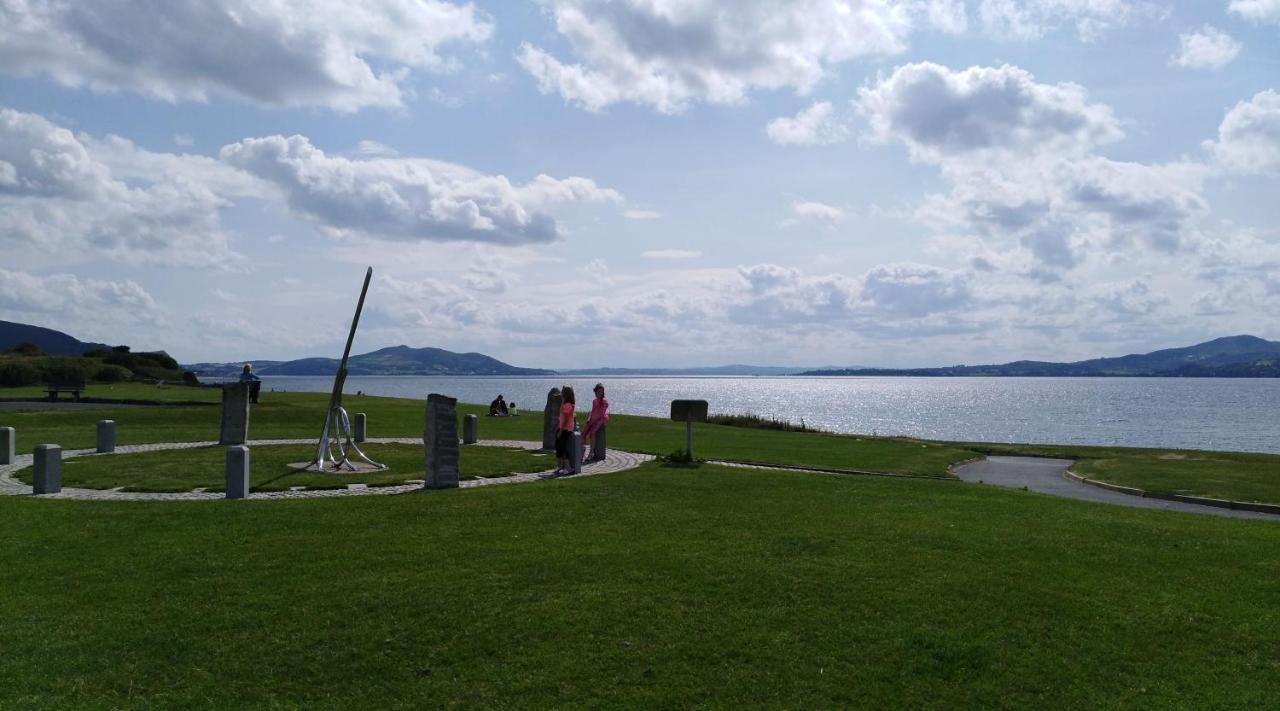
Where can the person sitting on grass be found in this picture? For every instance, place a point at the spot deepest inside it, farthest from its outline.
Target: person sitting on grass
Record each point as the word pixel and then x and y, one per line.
pixel 498 408
pixel 511 410
pixel 255 383
pixel 564 432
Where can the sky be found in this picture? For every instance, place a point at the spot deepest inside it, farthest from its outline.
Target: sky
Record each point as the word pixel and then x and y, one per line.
pixel 630 183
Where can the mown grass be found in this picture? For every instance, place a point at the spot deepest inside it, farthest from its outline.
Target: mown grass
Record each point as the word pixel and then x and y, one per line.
pixel 657 587
pixel 270 470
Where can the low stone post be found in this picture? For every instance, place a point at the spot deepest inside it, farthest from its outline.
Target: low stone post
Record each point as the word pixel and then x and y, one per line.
pixel 575 454
pixel 237 472
pixel 106 436
pixel 8 445
pixel 470 426
pixel 440 440
pixel 598 451
pixel 550 418
pixel 235 414
pixel 48 461
pixel 360 427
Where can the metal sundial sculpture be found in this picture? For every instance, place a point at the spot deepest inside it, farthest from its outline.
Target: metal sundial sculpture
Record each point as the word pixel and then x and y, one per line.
pixel 337 443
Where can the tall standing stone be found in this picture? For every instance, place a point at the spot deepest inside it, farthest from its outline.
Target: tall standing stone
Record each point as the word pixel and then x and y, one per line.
pixel 361 424
pixel 470 429
pixel 575 453
pixel 235 414
pixel 441 442
pixel 8 445
pixel 48 464
pixel 598 451
pixel 237 472
pixel 550 417
pixel 106 436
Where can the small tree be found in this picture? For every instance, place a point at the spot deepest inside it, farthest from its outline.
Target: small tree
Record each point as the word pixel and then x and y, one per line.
pixel 27 348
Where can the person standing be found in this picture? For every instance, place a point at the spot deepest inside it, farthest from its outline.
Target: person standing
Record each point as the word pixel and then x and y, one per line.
pixel 599 415
pixel 255 383
pixel 564 432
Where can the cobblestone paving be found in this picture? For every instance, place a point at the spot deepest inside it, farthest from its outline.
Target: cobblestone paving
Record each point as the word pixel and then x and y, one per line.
pixel 10 486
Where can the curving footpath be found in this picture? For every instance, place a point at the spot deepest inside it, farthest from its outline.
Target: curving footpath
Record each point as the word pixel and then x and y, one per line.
pixel 9 486
pixel 1048 476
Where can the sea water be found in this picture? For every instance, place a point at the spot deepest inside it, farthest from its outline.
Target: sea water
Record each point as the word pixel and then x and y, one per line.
pixel 1192 413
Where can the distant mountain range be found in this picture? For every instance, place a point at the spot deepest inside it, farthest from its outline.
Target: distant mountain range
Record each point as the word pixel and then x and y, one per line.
pixel 739 370
pixel 396 360
pixel 50 341
pixel 1231 357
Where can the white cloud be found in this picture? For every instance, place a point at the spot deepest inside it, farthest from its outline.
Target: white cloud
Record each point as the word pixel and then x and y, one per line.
pixel 916 289
pixel 941 113
pixel 409 198
pixel 671 254
pixel 1249 136
pixel 815 212
pixel 1020 158
pixel 331 53
pixel 1207 48
pixel 78 196
pixel 668 55
pixel 1031 19
pixel 1257 10
pixel 641 214
pixel 814 126
pixel 375 149
pixel 71 297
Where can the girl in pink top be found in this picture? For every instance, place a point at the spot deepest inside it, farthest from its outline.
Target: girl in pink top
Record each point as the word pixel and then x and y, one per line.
pixel 599 415
pixel 564 432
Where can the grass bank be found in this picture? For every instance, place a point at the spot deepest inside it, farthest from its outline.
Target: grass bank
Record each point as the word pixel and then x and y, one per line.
pixel 657 587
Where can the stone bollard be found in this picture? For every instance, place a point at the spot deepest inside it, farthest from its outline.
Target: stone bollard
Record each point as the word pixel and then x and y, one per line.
pixel 237 472
pixel 8 445
pixel 48 460
pixel 598 450
pixel 440 440
pixel 106 436
pixel 550 418
pixel 575 454
pixel 235 414
pixel 360 427
pixel 470 425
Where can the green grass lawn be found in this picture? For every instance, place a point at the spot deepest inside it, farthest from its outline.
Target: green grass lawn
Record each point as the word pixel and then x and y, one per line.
pixel 269 470
pixel 299 415
pixel 656 587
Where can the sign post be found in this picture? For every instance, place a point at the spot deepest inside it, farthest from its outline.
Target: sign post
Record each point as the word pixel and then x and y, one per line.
pixel 689 412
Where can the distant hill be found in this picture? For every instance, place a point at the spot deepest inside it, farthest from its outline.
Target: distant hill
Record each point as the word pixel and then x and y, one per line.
pixel 1230 357
pixel 739 370
pixel 395 360
pixel 50 341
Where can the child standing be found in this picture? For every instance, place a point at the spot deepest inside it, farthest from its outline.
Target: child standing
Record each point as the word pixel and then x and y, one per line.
pixel 599 416
pixel 564 432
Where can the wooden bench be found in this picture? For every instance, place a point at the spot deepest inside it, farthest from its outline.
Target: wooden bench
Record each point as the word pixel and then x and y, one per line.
pixel 55 389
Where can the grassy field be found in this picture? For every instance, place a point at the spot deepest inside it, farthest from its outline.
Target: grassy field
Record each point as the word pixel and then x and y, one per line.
pixel 673 587
pixel 269 470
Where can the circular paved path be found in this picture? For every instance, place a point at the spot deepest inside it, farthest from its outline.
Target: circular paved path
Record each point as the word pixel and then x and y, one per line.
pixel 9 486
pixel 1045 476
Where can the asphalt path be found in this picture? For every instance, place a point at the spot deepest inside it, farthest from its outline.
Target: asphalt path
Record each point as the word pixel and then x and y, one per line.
pixel 1045 476
pixel 19 406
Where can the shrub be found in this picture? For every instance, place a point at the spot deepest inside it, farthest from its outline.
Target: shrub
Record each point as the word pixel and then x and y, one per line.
pixel 113 374
pixel 189 378
pixel 757 422
pixel 15 374
pixel 64 370
pixel 27 349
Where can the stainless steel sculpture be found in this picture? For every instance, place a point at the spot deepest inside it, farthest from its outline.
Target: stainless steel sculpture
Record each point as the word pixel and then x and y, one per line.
pixel 337 441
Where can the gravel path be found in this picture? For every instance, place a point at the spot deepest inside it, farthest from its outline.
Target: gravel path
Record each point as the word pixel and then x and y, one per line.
pixel 1045 476
pixel 9 486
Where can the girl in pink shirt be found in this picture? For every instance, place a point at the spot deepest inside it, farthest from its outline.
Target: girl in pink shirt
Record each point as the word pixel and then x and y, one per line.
pixel 599 416
pixel 564 432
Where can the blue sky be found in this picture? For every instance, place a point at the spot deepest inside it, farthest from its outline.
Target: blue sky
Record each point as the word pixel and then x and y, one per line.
pixel 578 182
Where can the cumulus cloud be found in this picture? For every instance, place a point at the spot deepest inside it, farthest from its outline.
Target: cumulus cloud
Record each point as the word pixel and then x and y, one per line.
pixel 409 198
pixel 940 113
pixel 1207 48
pixel 77 194
pixel 668 55
pixel 1267 11
pixel 330 53
pixel 641 214
pixel 69 296
pixel 814 126
pixel 1249 136
pixel 1031 19
pixel 815 212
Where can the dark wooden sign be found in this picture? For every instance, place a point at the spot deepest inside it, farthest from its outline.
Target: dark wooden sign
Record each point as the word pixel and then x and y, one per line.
pixel 689 410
